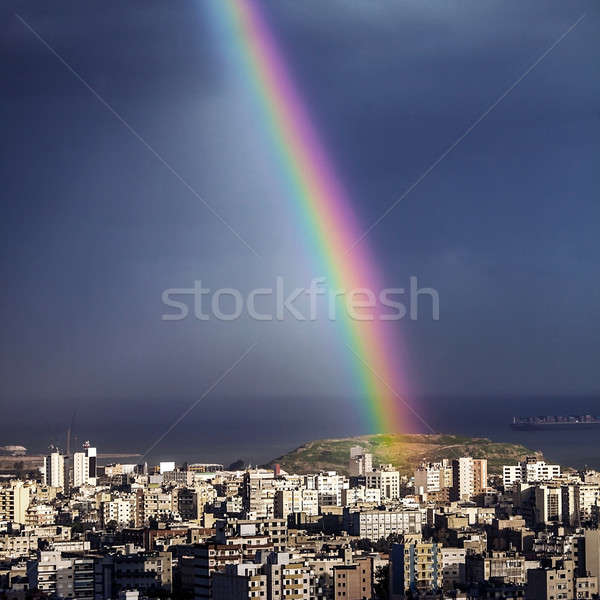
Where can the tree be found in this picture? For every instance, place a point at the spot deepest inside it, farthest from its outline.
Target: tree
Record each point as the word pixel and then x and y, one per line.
pixel 382 583
pixel 362 544
pixel 112 526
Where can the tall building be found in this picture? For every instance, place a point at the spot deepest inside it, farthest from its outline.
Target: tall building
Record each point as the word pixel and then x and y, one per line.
pixel 415 567
pixel 84 466
pixel 385 479
pixel 479 475
pixel 587 501
pixel 287 578
pixel 239 582
pixel 14 502
pixel 361 462
pixel 511 474
pixel 433 477
pixel 469 477
pixel 548 504
pixel 61 575
pixel 121 509
pixel 203 561
pixel 530 470
pixel 592 552
pixel 329 485
pixel 453 567
pixel 300 500
pixel 555 582
pixel 354 580
pixel 54 470
pixel 463 478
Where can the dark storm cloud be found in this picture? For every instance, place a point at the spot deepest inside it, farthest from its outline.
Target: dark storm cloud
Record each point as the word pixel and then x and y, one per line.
pixel 94 228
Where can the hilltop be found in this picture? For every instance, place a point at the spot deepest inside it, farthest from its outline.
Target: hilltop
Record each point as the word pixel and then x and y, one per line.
pixel 404 451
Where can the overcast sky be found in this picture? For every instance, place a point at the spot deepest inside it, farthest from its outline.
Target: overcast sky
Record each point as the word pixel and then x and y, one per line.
pixel 94 227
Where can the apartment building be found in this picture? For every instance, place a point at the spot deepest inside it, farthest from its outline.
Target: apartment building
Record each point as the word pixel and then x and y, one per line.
pixel 552 583
pixel 329 486
pixel 387 480
pixel 377 524
pixel 361 462
pixel 433 477
pixel 15 546
pixel 287 578
pixel 480 475
pixel 508 567
pixel 274 531
pixel 14 502
pixel 415 567
pixel 157 504
pixel 354 580
pixel 121 509
pixel 185 503
pixel 200 561
pixel 463 479
pixel 240 582
pixel 84 466
pixel 469 477
pixel 300 500
pixel 62 575
pixel 580 503
pixel 53 472
pixel 453 567
pixel 179 477
pixel 148 572
pixel 530 470
pixel 586 587
pixel 258 493
pixel 548 504
pixel 361 495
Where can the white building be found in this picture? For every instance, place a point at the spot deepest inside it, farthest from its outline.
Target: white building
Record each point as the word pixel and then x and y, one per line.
pixel 511 474
pixel 530 470
pixel 361 494
pixel 548 504
pixel 54 470
pixel 14 502
pixel 453 567
pixel 119 509
pixel 588 499
pixel 539 471
pixel 469 477
pixel 433 477
pixel 377 524
pixel 361 462
pixel 329 485
pixel 463 477
pixel 84 466
pixel 580 502
pixel 387 481
pixel 299 500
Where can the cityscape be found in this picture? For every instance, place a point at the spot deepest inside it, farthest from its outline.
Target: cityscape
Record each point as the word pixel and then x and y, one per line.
pixel 76 528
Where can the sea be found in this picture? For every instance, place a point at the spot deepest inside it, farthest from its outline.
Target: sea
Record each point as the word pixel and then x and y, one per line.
pixel 259 430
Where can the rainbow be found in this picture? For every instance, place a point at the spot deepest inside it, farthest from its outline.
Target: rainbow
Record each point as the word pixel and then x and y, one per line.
pixel 322 203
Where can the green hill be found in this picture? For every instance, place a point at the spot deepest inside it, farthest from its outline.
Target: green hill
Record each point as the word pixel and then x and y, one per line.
pixel 404 451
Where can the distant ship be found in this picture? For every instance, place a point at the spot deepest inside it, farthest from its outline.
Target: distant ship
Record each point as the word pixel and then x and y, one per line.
pixel 554 422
